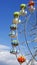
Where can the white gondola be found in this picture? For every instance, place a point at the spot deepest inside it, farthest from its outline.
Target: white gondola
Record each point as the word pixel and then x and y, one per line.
pixel 23 12
pixel 12 34
pixel 13 27
pixel 16 21
pixel 14 52
pixel 31 9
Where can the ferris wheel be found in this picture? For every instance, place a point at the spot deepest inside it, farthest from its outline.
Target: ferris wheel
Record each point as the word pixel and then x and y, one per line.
pixel 23 33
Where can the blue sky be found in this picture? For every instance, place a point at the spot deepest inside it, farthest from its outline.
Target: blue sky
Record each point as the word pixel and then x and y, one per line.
pixel 7 8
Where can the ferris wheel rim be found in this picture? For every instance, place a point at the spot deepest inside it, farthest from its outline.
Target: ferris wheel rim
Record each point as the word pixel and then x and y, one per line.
pixel 28 46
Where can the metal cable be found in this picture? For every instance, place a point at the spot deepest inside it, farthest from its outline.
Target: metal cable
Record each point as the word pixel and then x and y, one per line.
pixel 26 38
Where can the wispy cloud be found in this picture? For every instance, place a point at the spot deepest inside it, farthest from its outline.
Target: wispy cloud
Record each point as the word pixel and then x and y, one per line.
pixel 8 59
pixel 3 47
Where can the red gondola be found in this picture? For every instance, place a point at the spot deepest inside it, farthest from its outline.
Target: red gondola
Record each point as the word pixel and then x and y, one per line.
pixel 31 3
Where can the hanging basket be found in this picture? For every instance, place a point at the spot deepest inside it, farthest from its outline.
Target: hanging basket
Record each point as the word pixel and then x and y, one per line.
pixel 15 43
pixel 12 34
pixel 16 21
pixel 13 27
pixel 31 3
pixel 23 6
pixel 16 14
pixel 14 52
pixel 16 18
pixel 31 9
pixel 21 59
pixel 23 12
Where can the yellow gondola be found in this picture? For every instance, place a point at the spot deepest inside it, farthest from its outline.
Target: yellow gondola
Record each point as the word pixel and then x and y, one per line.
pixel 16 14
pixel 23 6
pixel 16 18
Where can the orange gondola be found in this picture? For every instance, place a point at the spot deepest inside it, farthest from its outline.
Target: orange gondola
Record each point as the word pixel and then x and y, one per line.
pixel 21 59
